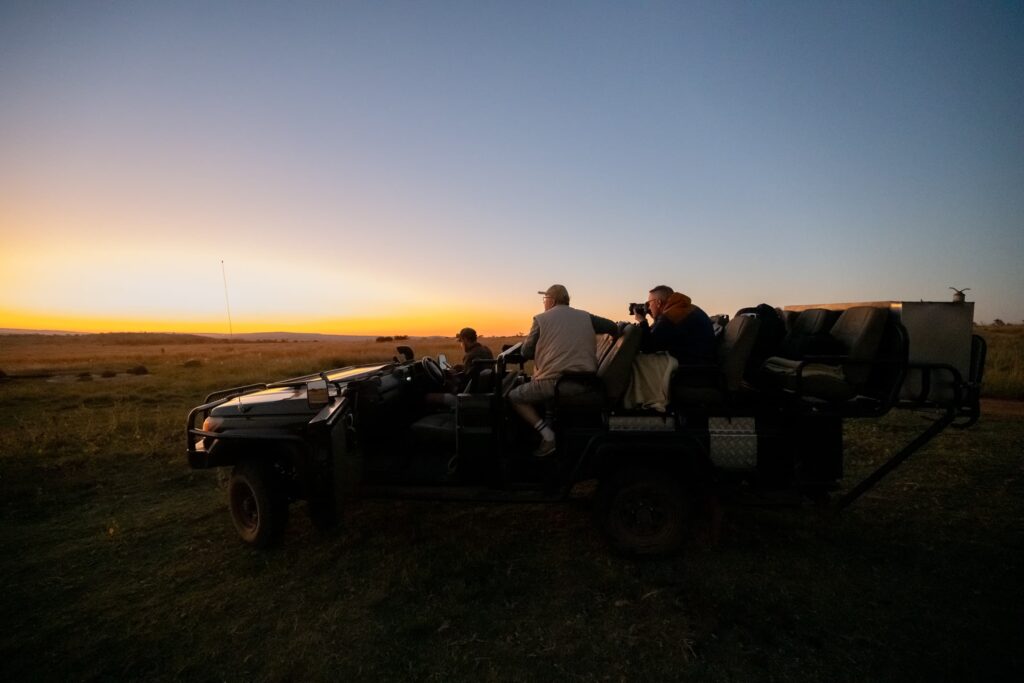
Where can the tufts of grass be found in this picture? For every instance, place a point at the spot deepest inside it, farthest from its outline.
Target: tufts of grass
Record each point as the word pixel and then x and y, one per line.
pixel 1004 369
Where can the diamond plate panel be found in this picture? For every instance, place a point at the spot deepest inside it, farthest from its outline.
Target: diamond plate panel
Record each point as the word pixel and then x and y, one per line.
pixel 640 423
pixel 733 442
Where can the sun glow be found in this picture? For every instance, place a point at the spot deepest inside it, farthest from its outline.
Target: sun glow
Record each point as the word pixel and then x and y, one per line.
pixel 84 288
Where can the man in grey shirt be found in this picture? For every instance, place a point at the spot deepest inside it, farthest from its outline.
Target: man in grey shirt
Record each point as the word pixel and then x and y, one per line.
pixel 561 340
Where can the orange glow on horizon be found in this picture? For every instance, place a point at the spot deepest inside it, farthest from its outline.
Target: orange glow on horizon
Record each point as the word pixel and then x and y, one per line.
pixel 410 322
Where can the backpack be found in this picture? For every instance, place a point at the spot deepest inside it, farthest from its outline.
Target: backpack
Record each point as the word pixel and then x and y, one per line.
pixel 769 334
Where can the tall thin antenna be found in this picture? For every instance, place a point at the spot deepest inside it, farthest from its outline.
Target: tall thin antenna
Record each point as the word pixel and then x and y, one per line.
pixel 231 331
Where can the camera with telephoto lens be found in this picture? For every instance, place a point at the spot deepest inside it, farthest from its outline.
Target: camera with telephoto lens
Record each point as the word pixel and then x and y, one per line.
pixel 642 309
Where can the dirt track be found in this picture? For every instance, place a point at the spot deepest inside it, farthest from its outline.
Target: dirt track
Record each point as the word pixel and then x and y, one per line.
pixel 1000 406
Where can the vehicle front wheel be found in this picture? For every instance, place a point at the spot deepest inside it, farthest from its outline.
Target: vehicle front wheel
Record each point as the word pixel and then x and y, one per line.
pixel 259 506
pixel 643 512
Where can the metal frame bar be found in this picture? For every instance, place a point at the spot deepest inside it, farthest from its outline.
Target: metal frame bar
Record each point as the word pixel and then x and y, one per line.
pixel 896 460
pixel 951 410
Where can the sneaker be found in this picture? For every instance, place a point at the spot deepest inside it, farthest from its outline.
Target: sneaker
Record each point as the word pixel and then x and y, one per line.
pixel 545 449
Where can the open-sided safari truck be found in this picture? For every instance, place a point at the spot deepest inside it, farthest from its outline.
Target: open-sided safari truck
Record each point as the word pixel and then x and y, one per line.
pixel 768 416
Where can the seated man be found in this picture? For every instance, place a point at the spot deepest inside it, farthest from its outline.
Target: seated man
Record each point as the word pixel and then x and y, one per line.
pixel 561 340
pixel 680 328
pixel 455 379
pixel 473 349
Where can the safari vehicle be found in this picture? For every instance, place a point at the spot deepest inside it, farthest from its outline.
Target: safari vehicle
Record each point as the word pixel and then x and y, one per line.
pixel 767 417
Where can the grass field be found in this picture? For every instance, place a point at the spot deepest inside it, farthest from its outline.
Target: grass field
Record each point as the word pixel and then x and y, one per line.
pixel 1004 370
pixel 118 562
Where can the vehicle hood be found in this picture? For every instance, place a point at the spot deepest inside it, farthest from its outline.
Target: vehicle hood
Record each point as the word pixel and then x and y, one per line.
pixel 289 396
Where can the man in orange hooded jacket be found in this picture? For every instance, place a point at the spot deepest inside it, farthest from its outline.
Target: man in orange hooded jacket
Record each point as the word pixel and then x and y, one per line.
pixel 679 327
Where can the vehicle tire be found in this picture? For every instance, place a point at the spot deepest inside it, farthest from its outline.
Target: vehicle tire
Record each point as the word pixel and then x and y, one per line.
pixel 259 506
pixel 644 512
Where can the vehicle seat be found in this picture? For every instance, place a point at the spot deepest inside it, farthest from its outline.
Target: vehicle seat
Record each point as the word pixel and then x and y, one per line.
pixel 788 317
pixel 480 382
pixel 612 377
pixel 857 335
pixel 770 333
pixel 436 428
pixel 808 334
pixel 727 377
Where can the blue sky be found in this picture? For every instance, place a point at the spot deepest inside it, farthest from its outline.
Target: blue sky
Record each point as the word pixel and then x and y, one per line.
pixel 409 166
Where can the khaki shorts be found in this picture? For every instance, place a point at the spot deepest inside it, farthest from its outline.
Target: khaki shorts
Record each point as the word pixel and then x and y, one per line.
pixel 541 390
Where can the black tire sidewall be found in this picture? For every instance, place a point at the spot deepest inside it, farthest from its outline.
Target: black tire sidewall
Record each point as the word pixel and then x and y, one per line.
pixel 657 484
pixel 256 479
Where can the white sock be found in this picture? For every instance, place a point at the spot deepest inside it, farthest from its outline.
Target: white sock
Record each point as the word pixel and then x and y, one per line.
pixel 546 432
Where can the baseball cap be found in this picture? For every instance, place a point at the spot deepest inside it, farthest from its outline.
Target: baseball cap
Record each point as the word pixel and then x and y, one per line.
pixel 557 292
pixel 467 333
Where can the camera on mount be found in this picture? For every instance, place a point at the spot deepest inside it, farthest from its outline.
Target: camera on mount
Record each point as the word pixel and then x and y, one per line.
pixel 642 309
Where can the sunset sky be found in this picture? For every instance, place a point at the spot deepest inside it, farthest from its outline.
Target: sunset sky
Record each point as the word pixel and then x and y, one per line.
pixel 414 167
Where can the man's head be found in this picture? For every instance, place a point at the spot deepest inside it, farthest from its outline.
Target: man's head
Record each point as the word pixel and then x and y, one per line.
pixel 555 295
pixel 466 336
pixel 656 299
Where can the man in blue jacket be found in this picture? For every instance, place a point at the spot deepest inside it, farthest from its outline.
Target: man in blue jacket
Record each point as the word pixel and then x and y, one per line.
pixel 679 327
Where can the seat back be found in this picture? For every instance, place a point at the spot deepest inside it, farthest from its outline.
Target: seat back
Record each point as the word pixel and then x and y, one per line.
pixel 734 349
pixel 616 367
pixel 788 317
pixel 770 332
pixel 809 335
pixel 814 321
pixel 859 330
pixel 605 342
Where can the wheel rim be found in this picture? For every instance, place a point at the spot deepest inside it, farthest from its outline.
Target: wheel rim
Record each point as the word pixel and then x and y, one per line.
pixel 247 509
pixel 641 512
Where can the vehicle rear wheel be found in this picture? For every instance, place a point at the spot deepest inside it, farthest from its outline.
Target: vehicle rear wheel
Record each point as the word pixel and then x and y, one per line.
pixel 259 506
pixel 644 512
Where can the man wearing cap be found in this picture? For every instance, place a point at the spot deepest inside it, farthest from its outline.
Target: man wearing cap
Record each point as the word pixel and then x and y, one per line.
pixel 455 379
pixel 474 350
pixel 561 340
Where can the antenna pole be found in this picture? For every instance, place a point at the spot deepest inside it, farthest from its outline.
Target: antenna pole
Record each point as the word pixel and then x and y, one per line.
pixel 231 331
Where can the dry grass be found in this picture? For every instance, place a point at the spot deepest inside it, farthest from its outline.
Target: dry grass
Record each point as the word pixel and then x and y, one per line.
pixel 120 563
pixel 1004 371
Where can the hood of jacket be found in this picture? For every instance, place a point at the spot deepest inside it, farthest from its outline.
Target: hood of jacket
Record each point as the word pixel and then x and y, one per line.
pixel 677 307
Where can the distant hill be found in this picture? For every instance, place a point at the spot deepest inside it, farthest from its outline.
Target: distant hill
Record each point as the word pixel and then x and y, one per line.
pixel 144 338
pixel 116 338
pixel 13 330
pixel 291 336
